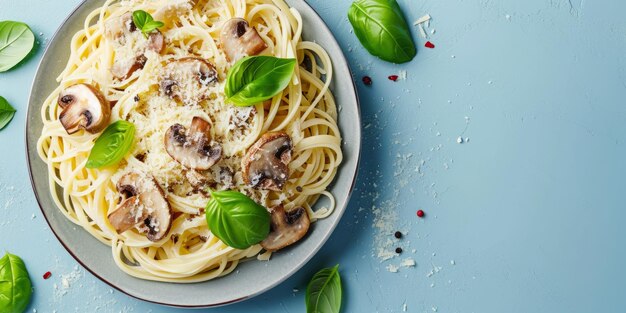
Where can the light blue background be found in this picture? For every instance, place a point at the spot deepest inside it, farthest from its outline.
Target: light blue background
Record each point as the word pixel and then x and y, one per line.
pixel 531 209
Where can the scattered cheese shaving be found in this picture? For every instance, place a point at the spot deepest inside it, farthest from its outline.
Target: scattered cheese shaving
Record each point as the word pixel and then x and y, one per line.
pixel 402 74
pixel 408 262
pixel 422 19
pixel 392 268
pixel 422 32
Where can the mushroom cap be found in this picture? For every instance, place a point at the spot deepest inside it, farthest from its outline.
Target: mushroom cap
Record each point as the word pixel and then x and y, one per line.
pixel 124 68
pixel 156 41
pixel 239 39
pixel 286 228
pixel 127 215
pixel 120 30
pixel 265 165
pixel 184 78
pixel 84 107
pixel 159 219
pixel 144 206
pixel 193 148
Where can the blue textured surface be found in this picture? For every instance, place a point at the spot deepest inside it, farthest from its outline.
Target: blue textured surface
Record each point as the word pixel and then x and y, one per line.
pixel 530 209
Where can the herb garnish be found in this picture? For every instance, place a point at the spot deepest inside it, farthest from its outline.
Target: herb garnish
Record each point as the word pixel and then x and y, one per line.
pixel 323 294
pixel 236 219
pixel 16 42
pixel 112 145
pixel 6 112
pixel 258 78
pixel 145 22
pixel 382 29
pixel 15 286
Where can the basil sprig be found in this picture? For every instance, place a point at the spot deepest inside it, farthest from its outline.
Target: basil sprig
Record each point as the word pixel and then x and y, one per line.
pixel 323 294
pixel 6 112
pixel 145 22
pixel 382 29
pixel 257 78
pixel 112 145
pixel 236 219
pixel 15 285
pixel 16 42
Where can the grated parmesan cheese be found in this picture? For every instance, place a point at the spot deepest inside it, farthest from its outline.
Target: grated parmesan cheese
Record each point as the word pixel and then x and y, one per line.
pixel 409 262
pixel 422 32
pixel 422 19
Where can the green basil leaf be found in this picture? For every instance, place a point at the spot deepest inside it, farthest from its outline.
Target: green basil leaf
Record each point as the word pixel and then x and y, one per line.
pixel 16 42
pixel 145 22
pixel 323 294
pixel 382 29
pixel 15 285
pixel 152 25
pixel 6 112
pixel 112 145
pixel 141 18
pixel 257 78
pixel 236 219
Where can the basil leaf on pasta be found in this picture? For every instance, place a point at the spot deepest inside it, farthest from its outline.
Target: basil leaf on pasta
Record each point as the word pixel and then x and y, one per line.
pixel 15 285
pixel 16 42
pixel 323 294
pixel 236 219
pixel 6 112
pixel 145 22
pixel 257 78
pixel 112 145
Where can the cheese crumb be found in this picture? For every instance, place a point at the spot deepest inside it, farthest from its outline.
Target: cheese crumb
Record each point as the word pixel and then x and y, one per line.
pixel 392 268
pixel 409 262
pixel 422 19
pixel 422 31
pixel 402 74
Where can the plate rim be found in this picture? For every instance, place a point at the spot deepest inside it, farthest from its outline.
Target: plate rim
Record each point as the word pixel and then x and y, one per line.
pixel 286 276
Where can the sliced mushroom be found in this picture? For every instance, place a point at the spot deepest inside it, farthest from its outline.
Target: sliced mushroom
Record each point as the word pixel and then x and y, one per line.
pixel 239 39
pixel 123 31
pixel 193 148
pixel 144 206
pixel 156 42
pixel 286 228
pixel 188 74
pixel 158 223
pixel 84 107
pixel 128 215
pixel 265 165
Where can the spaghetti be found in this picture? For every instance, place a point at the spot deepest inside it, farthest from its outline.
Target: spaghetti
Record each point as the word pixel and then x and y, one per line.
pixel 305 110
